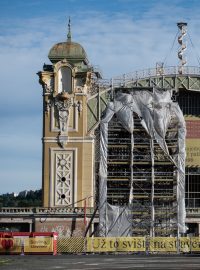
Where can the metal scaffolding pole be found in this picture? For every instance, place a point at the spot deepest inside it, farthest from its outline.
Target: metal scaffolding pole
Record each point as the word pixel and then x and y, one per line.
pixel 131 168
pixel 177 199
pixel 152 229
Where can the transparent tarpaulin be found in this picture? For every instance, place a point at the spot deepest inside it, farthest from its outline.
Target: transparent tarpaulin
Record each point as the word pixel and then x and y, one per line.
pixel 156 111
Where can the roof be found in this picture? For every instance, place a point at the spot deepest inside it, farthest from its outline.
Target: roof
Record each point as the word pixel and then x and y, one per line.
pixel 69 50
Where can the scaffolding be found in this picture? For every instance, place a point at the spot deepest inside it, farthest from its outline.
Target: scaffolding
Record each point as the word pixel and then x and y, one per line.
pixel 141 180
pixel 154 184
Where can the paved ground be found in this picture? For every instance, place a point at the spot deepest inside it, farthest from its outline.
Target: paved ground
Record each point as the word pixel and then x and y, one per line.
pixel 97 262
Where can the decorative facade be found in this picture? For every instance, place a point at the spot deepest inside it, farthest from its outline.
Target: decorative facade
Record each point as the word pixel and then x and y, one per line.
pixel 67 145
pixel 74 101
pixel 136 172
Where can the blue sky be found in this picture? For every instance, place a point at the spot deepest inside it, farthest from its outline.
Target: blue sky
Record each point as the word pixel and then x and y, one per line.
pixel 119 36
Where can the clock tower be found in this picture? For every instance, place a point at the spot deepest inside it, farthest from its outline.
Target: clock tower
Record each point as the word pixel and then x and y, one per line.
pixel 67 163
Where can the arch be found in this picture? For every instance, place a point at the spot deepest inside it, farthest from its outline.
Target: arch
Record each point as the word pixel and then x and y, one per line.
pixel 65 79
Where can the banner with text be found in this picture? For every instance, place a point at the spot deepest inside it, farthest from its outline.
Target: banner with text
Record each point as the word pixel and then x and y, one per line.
pixel 112 244
pixel 193 152
pixel 38 245
pixel 142 244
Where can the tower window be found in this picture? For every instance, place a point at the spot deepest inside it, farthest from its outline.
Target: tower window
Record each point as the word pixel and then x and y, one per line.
pixel 65 80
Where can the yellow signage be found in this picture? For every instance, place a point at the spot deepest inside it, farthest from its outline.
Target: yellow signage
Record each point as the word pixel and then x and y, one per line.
pixel 163 244
pixel 113 244
pixel 104 244
pixel 38 244
pixel 193 152
pixel 141 244
pixel 11 245
pixel 195 244
pixel 184 244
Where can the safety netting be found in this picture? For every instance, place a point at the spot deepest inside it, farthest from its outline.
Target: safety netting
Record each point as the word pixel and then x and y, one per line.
pixel 156 112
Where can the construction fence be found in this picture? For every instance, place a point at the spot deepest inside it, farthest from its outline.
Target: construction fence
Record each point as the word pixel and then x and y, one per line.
pixel 28 243
pixel 22 245
pixel 49 245
pixel 128 244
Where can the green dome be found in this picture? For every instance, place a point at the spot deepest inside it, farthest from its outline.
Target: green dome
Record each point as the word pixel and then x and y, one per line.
pixel 69 50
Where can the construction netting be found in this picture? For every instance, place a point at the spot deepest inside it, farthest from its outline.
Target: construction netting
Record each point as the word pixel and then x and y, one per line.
pixel 156 112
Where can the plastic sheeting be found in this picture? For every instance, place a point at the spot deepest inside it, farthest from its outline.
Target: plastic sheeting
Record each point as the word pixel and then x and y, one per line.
pixel 156 111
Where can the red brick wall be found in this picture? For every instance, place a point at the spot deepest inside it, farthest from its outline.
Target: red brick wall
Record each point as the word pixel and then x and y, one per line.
pixel 193 129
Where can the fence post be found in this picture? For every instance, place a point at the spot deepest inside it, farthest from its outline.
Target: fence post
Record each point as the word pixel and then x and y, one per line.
pixel 22 247
pixel 147 243
pixel 178 244
pixel 85 244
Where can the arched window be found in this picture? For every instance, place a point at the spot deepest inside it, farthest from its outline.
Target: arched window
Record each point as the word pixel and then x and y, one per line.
pixel 65 80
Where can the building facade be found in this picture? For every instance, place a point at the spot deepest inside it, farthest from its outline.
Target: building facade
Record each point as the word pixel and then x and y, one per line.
pixel 75 98
pixel 68 148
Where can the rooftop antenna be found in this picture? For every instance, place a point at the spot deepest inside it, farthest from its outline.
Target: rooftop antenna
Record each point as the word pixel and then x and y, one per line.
pixel 69 36
pixel 182 32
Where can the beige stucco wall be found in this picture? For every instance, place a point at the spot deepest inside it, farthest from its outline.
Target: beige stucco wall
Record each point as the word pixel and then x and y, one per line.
pixel 77 140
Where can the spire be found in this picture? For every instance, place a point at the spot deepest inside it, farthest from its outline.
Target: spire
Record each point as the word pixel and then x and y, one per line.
pixel 69 36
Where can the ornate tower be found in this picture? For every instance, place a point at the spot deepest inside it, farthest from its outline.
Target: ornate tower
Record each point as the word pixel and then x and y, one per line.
pixel 67 148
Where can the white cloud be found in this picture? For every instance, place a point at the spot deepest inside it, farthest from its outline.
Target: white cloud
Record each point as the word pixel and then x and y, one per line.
pixel 117 42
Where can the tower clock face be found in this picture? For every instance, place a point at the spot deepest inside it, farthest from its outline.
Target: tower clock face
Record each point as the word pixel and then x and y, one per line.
pixel 65 80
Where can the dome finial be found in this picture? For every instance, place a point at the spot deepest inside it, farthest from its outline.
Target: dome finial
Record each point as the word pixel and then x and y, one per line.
pixel 69 36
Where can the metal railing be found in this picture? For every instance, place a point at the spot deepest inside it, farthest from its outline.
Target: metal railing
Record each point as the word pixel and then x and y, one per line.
pixel 45 210
pixel 126 79
pixel 153 72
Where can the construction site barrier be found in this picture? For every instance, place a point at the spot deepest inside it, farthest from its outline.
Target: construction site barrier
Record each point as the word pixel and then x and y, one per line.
pixel 129 244
pixel 39 243
pixel 28 243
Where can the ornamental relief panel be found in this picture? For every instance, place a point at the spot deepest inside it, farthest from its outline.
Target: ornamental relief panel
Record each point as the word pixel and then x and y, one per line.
pixel 48 85
pixel 64 178
pixel 72 123
pixel 63 109
pixel 47 82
